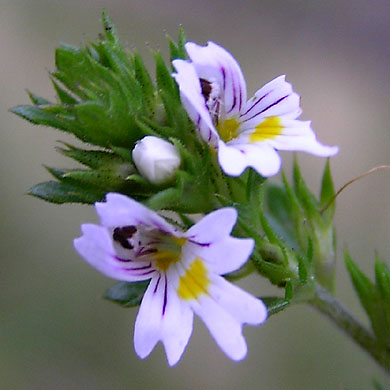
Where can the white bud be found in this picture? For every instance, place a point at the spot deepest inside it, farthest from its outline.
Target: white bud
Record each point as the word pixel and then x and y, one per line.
pixel 156 159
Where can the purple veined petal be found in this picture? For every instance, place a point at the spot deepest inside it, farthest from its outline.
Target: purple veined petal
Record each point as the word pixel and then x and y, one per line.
pixel 120 210
pixel 96 247
pixel 215 64
pixel 299 136
pixel 244 307
pixel 163 317
pixel 276 98
pixel 193 100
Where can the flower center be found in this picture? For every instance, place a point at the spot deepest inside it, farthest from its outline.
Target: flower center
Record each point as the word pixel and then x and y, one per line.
pixel 163 249
pixel 228 129
pixel 168 252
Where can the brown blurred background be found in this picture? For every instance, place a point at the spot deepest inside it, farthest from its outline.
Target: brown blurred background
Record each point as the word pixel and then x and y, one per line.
pixel 55 330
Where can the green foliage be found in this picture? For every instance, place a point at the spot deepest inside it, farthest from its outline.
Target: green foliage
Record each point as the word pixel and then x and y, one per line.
pixel 374 296
pixel 107 98
pixel 127 294
pixel 295 215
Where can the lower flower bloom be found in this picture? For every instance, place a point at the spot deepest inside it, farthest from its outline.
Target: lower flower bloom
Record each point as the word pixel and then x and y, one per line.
pixel 134 243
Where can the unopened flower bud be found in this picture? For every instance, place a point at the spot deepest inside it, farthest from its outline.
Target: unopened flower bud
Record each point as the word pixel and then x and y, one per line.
pixel 156 159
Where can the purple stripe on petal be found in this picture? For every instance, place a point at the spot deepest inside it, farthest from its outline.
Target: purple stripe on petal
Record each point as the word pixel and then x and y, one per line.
pixel 223 77
pixel 257 102
pixel 146 273
pixel 139 268
pixel 267 108
pixel 122 260
pixel 203 244
pixel 165 294
pixel 156 286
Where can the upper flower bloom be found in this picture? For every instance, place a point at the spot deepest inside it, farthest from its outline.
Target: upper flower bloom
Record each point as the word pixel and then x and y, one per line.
pixel 245 133
pixel 134 243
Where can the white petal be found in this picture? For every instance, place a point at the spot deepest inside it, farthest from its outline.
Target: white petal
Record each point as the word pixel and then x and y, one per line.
pixel 210 240
pixel 163 317
pixel 235 157
pixel 224 328
pixel 244 307
pixel 120 210
pixel 193 100
pixel 232 160
pixel 214 226
pixel 215 64
pixel 96 247
pixel 276 98
pixel 299 136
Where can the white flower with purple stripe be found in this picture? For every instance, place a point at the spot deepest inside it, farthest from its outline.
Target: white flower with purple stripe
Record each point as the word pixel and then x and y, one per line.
pixel 134 243
pixel 245 133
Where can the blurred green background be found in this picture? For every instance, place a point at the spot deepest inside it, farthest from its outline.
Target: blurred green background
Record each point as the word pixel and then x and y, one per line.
pixel 55 330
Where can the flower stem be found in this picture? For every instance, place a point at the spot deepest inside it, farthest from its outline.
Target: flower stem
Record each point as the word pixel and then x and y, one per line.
pixel 340 315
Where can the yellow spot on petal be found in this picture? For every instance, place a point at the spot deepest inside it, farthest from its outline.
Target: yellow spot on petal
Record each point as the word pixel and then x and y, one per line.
pixel 270 128
pixel 194 282
pixel 228 129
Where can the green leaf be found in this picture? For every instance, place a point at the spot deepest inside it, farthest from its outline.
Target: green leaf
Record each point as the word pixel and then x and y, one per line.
pixel 109 28
pixel 55 192
pixel 37 100
pixel 92 158
pixel 127 294
pixel 274 304
pixel 39 116
pixel 64 96
pixel 306 198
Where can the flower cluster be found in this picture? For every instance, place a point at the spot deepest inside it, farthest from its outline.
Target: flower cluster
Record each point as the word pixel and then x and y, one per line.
pixel 185 269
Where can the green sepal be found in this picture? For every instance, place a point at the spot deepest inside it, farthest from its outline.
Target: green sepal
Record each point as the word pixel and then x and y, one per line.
pixel 127 294
pixel 59 193
pixel 274 304
pixel 327 193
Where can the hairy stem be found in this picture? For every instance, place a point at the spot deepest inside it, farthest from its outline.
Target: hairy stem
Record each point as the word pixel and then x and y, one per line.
pixel 340 315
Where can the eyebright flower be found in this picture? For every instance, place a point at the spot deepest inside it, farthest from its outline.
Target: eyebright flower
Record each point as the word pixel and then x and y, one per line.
pixel 156 159
pixel 134 243
pixel 245 133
